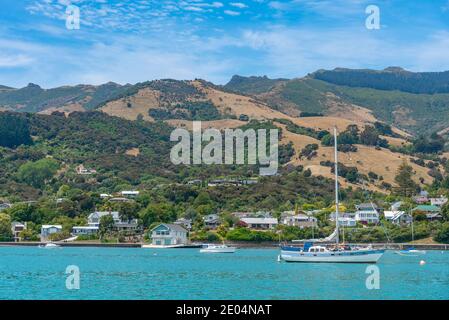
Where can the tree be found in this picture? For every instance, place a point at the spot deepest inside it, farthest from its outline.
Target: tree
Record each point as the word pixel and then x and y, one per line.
pixel 14 130
pixel 37 173
pixel 369 136
pixel 403 178
pixel 106 224
pixel 5 227
pixel 158 212
pixel 443 233
pixel 128 211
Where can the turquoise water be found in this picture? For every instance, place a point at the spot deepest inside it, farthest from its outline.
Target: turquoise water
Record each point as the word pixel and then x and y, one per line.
pixel 119 273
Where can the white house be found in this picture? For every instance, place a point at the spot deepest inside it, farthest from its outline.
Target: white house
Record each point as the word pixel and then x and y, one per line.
pixel 367 213
pixel 48 229
pixel 167 234
pixel 347 222
pixel 441 201
pixel 299 220
pixel 398 217
pixel 94 218
pixel 93 223
pixel 84 230
pixel 130 194
pixel 17 228
pixel 261 223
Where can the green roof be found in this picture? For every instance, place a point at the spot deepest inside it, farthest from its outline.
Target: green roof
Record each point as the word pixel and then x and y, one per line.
pixel 426 207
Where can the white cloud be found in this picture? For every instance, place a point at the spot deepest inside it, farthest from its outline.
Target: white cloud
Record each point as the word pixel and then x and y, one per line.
pixel 15 60
pixel 238 5
pixel 231 13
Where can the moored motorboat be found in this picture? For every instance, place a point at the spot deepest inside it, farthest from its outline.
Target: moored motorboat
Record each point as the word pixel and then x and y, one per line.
pixel 50 246
pixel 211 248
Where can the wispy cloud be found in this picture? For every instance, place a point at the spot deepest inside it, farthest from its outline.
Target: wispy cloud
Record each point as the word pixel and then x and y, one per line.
pixel 231 13
pixel 238 5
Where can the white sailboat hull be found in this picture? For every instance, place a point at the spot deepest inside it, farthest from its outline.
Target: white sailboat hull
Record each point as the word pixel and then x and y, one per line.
pixel 218 250
pixel 362 256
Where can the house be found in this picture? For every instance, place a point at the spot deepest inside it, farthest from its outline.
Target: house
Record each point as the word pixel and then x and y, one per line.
pixel 83 171
pixel 211 221
pixel 431 212
pixel 167 234
pixel 367 213
pixel 441 201
pixel 16 229
pixel 4 206
pixel 130 194
pixel 84 230
pixel 260 223
pixel 420 199
pixel 48 229
pixel 186 223
pixel 346 222
pixel 300 220
pixel 93 221
pixel 119 199
pixel 105 196
pixel 398 217
pixel 195 182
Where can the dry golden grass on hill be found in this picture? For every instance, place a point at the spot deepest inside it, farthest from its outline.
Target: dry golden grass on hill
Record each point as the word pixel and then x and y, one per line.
pixel 383 162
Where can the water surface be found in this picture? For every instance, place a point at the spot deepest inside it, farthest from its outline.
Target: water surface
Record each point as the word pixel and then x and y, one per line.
pixel 125 273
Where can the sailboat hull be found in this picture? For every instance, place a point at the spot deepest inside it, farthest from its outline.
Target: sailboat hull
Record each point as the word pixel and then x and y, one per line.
pixel 360 256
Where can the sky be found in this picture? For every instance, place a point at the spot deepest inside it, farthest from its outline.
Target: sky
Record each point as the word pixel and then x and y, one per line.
pixel 133 41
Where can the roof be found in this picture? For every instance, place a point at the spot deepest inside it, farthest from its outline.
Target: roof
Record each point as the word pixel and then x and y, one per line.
pixel 48 226
pixel 427 207
pixel 367 205
pixel 260 220
pixel 100 214
pixel 171 226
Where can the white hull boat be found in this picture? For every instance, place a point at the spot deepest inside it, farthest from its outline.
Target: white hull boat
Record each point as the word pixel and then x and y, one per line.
pixel 217 249
pixel 320 254
pixel 336 253
pixel 411 252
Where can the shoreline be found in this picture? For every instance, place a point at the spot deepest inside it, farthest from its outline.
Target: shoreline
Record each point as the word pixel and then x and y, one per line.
pixel 238 244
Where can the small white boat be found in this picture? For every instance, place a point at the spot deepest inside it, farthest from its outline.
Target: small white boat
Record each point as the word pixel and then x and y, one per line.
pixel 211 248
pixel 50 246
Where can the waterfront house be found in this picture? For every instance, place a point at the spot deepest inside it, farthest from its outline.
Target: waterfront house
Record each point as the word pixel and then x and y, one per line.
pixel 367 213
pixel 439 202
pixel 16 229
pixel 130 194
pixel 167 234
pixel 94 218
pixel 211 221
pixel 431 212
pixel 186 223
pixel 260 223
pixel 398 217
pixel 299 220
pixel 84 230
pixel 48 229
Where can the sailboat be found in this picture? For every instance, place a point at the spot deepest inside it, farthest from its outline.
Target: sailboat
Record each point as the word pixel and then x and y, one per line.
pixel 411 251
pixel 337 253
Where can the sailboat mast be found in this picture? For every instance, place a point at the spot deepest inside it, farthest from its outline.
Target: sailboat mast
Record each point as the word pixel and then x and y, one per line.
pixel 337 204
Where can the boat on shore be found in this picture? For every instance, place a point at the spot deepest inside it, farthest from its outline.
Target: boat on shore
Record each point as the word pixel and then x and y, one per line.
pixel 336 253
pixel 212 248
pixel 49 245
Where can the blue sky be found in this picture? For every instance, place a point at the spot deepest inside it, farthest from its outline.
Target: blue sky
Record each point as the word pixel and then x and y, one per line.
pixel 130 41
